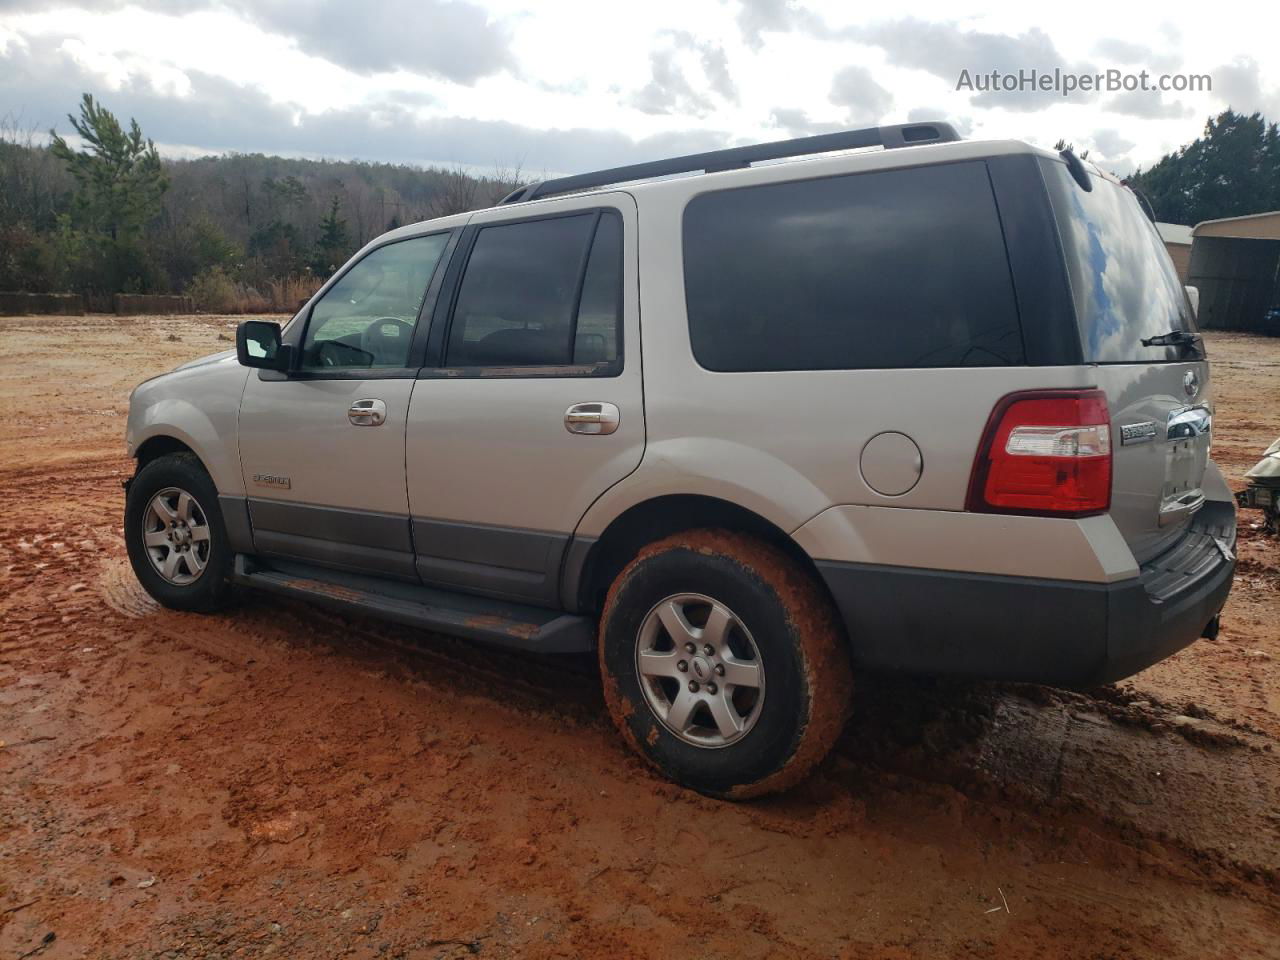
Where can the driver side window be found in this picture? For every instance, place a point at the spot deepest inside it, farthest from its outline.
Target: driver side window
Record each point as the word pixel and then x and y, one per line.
pixel 367 318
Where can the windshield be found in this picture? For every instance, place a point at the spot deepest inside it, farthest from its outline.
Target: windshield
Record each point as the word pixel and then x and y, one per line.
pixel 1123 282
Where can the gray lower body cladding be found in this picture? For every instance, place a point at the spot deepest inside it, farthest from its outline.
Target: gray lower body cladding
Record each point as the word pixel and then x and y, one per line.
pixel 494 561
pixel 358 540
pixel 1060 632
pixel 520 565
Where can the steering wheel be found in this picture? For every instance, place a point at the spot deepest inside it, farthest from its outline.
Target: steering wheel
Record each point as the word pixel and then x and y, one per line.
pixel 387 339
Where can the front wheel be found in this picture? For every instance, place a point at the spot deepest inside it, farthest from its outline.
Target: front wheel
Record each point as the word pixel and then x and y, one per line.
pixel 723 663
pixel 175 536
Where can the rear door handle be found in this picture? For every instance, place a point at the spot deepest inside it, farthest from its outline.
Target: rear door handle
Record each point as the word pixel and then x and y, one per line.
pixel 368 413
pixel 592 419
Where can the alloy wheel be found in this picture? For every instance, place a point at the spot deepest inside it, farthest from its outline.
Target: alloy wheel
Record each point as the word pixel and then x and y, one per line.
pixel 700 670
pixel 175 532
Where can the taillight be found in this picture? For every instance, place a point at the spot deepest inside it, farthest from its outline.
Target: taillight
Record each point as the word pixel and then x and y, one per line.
pixel 1045 452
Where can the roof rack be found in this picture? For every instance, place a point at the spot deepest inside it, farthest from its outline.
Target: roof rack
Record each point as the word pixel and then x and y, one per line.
pixel 735 158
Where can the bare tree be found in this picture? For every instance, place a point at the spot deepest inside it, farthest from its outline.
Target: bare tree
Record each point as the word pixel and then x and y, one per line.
pixel 503 181
pixel 457 193
pixel 30 179
pixel 460 191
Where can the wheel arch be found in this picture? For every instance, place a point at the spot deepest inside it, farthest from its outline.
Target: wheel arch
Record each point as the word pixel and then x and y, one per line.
pixel 161 445
pixel 590 566
pixel 233 508
pixel 193 409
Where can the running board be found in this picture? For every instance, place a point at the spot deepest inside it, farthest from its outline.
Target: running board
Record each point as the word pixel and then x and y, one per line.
pixel 494 622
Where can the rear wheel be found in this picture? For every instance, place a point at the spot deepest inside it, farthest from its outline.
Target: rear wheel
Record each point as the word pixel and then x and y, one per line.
pixel 723 663
pixel 175 536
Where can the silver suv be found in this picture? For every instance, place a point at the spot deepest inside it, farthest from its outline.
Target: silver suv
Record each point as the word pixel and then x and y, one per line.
pixel 937 408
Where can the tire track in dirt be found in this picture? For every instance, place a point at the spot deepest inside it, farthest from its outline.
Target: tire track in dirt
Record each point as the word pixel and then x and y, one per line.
pixel 1140 770
pixel 1092 757
pixel 121 591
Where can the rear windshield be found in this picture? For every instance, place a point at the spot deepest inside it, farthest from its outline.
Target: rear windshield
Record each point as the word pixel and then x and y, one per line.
pixel 1123 282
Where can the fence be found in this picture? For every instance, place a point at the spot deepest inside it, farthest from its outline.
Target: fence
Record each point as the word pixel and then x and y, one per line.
pixel 130 304
pixel 17 304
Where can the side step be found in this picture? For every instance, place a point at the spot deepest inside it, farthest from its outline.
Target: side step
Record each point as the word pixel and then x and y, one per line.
pixel 494 622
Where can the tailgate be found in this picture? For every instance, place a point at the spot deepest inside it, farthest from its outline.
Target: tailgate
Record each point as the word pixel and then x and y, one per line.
pixel 1160 436
pixel 1138 333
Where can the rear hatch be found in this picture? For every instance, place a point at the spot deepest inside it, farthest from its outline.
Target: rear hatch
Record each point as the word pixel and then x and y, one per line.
pixel 1134 320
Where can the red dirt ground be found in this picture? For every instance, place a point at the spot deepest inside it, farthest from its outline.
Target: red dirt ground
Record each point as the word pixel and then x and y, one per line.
pixel 284 781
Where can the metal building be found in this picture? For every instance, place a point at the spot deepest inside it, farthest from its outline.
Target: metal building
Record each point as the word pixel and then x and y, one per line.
pixel 1177 240
pixel 1235 264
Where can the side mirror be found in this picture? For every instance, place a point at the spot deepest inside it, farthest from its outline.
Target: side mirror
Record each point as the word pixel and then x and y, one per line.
pixel 1193 294
pixel 258 345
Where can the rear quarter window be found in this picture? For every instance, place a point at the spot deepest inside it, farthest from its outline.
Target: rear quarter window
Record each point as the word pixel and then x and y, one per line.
pixel 897 268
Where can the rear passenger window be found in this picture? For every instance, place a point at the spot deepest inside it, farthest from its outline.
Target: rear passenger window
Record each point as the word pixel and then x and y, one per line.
pixel 541 293
pixel 600 312
pixel 900 268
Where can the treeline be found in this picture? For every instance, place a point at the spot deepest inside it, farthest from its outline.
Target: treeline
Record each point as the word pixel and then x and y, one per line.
pixel 250 232
pixel 240 232
pixel 1233 169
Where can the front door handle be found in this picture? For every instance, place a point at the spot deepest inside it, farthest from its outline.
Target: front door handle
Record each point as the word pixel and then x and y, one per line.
pixel 592 419
pixel 368 413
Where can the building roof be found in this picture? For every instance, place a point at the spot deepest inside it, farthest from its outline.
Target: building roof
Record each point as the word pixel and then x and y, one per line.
pixel 1261 226
pixel 1174 233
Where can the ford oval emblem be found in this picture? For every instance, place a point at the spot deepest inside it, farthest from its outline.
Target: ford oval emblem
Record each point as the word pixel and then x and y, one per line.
pixel 1191 383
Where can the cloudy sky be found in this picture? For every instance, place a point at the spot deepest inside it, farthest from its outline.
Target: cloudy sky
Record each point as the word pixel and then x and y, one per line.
pixel 555 86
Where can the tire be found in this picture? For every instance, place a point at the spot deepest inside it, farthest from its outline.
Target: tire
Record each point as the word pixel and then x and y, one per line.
pixel 737 740
pixel 196 552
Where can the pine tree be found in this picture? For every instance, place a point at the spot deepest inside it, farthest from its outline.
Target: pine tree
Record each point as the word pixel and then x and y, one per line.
pixel 119 183
pixel 333 245
pixel 1233 169
pixel 118 174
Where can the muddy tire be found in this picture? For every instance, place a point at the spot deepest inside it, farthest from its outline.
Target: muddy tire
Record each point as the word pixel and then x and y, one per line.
pixel 175 535
pixel 723 664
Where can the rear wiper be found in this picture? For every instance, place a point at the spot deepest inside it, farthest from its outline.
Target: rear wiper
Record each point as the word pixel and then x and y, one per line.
pixel 1174 338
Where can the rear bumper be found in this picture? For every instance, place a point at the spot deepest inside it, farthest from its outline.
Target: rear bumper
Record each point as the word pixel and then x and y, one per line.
pixel 1067 633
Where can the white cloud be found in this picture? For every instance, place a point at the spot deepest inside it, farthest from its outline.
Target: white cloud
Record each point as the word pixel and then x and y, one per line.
pixel 460 79
pixel 855 89
pixel 1241 86
pixel 686 76
pixel 1111 146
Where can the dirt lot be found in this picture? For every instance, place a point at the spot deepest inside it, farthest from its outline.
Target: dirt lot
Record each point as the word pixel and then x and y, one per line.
pixel 280 780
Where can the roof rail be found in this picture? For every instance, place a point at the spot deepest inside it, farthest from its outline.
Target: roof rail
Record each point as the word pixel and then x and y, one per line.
pixel 734 158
